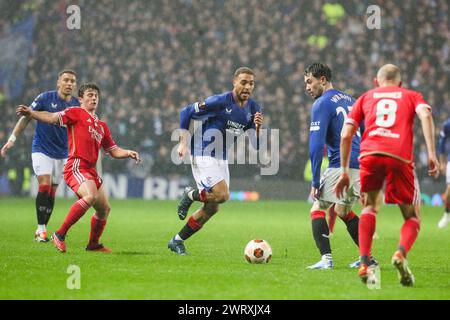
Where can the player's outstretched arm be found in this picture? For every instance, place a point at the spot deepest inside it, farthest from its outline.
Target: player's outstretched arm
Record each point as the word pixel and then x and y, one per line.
pixel 43 116
pixel 426 120
pixel 18 128
pixel 119 153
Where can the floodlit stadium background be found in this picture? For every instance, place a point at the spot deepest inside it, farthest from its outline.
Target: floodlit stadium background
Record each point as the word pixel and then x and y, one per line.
pixel 153 57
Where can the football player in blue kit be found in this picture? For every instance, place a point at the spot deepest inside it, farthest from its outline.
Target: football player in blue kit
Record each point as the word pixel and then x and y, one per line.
pixel 49 147
pixel 329 111
pixel 234 112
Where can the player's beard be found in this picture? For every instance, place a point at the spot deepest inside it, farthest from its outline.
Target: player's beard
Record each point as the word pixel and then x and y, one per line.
pixel 65 93
pixel 241 96
pixel 319 93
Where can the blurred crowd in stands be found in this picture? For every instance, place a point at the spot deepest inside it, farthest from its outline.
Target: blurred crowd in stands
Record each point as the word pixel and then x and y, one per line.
pixel 151 58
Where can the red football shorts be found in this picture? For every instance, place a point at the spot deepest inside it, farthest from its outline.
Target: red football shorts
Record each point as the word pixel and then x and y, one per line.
pixel 402 186
pixel 77 171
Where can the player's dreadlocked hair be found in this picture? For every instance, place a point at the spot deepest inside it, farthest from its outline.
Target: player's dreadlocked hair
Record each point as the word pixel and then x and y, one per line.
pixel 86 86
pixel 318 70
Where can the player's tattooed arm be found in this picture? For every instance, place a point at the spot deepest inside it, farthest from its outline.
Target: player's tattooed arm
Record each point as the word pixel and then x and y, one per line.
pixel 43 116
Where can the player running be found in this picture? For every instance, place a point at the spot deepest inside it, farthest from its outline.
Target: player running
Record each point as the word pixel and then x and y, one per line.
pixel 445 170
pixel 328 114
pixel 49 147
pixel 232 111
pixel 86 135
pixel 387 155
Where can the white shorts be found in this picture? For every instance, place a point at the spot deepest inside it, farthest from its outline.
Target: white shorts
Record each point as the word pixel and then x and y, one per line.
pixel 209 171
pixel 448 173
pixel 328 183
pixel 44 165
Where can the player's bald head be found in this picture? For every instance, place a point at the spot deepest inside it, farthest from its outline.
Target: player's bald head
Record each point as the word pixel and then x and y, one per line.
pixel 389 74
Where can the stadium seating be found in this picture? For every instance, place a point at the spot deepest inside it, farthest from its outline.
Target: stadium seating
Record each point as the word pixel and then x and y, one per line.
pixel 152 57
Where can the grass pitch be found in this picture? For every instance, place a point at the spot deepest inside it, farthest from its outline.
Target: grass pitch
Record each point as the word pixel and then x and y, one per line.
pixel 141 266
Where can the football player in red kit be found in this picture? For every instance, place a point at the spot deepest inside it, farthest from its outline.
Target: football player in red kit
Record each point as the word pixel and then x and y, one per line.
pixel 386 154
pixel 86 134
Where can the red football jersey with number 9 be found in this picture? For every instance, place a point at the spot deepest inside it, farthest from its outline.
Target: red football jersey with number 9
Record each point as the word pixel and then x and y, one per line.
pixel 388 115
pixel 86 133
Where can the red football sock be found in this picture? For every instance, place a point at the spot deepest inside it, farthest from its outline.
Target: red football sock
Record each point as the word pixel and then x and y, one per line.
pixel 97 227
pixel 447 206
pixel 331 218
pixel 78 209
pixel 408 234
pixel 348 217
pixel 367 223
pixel 191 227
pixel 203 195
pixel 52 191
pixel 44 188
pixel 194 224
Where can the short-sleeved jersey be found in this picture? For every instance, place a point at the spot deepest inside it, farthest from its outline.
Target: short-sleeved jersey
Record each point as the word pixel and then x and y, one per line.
pixel 388 114
pixel 50 139
pixel 86 133
pixel 444 134
pixel 328 114
pixel 220 115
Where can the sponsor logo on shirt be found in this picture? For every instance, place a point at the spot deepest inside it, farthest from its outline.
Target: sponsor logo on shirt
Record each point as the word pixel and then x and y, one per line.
pixel 234 127
pixel 315 126
pixel 95 134
pixel 392 95
pixel 383 133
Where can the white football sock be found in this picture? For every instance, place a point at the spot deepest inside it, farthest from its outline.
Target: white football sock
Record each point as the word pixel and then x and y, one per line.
pixel 177 237
pixel 327 257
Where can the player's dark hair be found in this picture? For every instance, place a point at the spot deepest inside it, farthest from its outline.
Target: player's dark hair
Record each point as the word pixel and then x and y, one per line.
pixel 70 71
pixel 245 70
pixel 318 70
pixel 87 86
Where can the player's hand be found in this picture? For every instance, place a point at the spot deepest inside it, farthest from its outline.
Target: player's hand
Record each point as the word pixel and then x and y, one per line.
pixel 6 148
pixel 315 193
pixel 258 120
pixel 342 185
pixel 23 111
pixel 433 167
pixel 134 155
pixel 182 150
